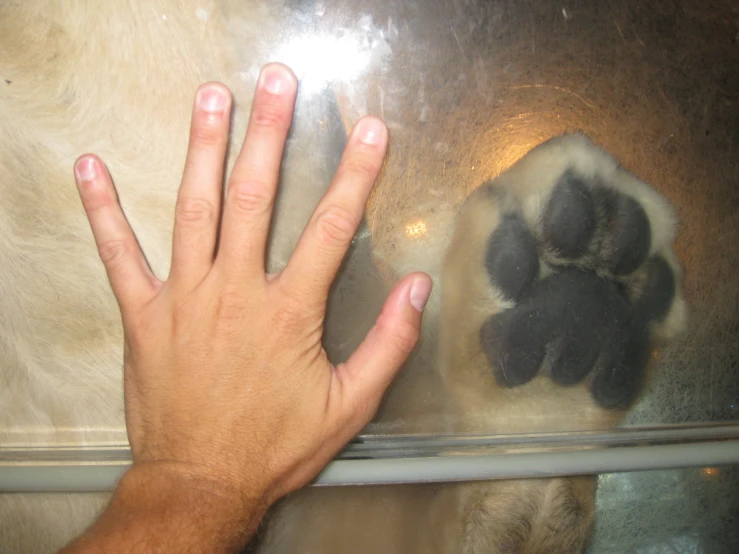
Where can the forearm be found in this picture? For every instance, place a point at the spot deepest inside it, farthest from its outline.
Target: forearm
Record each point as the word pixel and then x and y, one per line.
pixel 156 510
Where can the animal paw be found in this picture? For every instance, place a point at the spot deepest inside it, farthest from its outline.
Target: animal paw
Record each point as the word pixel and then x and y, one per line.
pixel 564 267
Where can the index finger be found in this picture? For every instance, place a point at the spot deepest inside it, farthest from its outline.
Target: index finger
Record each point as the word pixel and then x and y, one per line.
pixel 325 240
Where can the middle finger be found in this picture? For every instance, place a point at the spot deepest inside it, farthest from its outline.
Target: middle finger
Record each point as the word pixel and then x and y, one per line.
pixel 253 183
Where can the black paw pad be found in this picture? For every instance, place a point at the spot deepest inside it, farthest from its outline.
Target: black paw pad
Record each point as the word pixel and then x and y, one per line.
pixel 569 219
pixel 621 369
pixel 572 359
pixel 577 303
pixel 512 260
pixel 573 324
pixel 506 340
pixel 628 235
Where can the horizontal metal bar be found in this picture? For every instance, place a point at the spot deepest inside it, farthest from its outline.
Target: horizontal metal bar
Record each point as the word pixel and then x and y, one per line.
pixel 65 476
pixel 383 446
pixel 420 445
pixel 528 465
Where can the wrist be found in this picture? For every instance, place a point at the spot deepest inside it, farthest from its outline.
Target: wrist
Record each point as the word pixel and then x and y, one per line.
pixel 155 485
pixel 163 506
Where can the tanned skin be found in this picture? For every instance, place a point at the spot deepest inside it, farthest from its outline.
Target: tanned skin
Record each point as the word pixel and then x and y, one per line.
pixel 231 401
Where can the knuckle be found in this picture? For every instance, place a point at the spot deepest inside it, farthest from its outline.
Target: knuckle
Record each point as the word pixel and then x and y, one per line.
pixel 246 198
pixel 288 312
pixel 195 210
pixel 268 115
pixel 98 200
pixel 403 336
pixel 362 165
pixel 187 315
pixel 286 318
pixel 113 252
pixel 230 306
pixel 336 226
pixel 291 315
pixel 206 136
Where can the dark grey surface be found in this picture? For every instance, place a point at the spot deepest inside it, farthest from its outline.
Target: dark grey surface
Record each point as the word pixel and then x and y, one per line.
pixel 690 511
pixel 469 87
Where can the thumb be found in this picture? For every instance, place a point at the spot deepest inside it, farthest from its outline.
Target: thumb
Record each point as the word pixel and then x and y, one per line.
pixel 372 367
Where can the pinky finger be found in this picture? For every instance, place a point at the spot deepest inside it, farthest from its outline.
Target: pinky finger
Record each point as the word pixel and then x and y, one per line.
pixel 130 276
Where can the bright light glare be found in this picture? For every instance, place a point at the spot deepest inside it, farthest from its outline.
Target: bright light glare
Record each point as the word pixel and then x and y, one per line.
pixel 416 229
pixel 318 59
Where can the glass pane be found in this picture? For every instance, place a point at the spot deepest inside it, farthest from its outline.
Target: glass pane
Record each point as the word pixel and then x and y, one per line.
pixel 467 89
pixel 548 302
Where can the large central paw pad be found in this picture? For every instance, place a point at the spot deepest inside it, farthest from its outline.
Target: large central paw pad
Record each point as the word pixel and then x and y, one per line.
pixel 580 270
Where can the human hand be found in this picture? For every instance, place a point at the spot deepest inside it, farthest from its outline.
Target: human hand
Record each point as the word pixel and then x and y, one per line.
pixel 225 377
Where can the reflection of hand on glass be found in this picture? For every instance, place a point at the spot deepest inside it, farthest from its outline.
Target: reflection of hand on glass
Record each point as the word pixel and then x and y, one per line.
pixel 231 401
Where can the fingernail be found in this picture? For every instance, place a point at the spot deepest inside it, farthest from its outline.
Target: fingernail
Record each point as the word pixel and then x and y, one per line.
pixel 371 131
pixel 275 80
pixel 212 100
pixel 420 292
pixel 86 169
